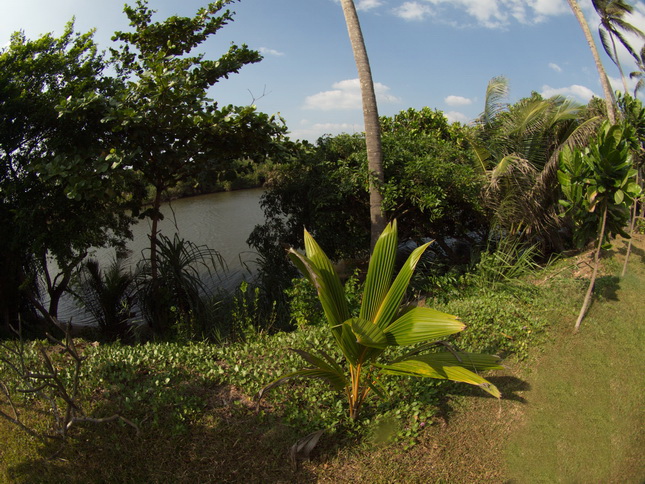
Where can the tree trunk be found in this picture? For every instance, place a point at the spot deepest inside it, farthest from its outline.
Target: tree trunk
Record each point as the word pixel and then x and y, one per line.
pixel 156 204
pixel 609 94
pixel 371 119
pixel 632 224
pixel 592 282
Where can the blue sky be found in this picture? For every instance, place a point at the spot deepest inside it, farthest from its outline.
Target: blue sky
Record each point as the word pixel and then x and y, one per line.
pixel 436 53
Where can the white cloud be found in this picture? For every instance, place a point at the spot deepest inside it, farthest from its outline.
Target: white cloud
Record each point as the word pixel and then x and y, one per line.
pixel 314 131
pixel 454 116
pixel 500 13
pixel 368 4
pixel 346 95
pixel 581 93
pixel 555 67
pixel 267 51
pixel 617 85
pixel 457 101
pixel 412 11
pixel 365 5
pixel 549 7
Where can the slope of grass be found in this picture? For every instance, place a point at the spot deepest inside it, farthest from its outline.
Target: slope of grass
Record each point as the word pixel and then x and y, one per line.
pixel 584 421
pixel 572 410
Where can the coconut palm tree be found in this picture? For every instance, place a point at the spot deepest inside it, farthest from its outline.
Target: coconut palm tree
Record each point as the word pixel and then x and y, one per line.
pixel 517 147
pixel 604 81
pixel 613 26
pixel 371 119
pixel 639 74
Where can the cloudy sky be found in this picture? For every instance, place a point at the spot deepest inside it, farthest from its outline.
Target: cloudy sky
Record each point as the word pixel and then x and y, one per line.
pixel 436 53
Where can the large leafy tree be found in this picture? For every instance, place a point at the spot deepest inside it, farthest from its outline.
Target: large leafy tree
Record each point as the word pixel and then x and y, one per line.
pixel 371 118
pixel 59 196
pixel 432 186
pixel 168 128
pixel 613 26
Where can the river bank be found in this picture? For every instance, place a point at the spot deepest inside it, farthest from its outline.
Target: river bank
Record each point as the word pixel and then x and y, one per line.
pixel 571 411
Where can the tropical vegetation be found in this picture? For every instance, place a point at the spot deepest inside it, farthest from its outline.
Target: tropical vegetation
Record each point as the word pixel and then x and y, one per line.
pixel 465 274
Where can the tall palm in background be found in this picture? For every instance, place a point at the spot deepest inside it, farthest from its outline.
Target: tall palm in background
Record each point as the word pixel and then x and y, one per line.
pixel 371 119
pixel 610 102
pixel 613 26
pixel 640 73
pixel 517 147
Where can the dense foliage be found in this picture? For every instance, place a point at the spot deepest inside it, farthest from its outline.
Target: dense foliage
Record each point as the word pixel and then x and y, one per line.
pixel 57 198
pixel 146 128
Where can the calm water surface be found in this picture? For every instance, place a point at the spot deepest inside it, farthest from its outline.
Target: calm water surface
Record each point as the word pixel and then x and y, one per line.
pixel 221 221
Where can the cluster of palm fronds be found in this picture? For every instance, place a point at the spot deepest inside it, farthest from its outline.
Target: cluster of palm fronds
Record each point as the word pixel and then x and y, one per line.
pixel 517 147
pixel 119 298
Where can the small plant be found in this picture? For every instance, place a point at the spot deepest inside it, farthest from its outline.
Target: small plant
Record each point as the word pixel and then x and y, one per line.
pixel 176 293
pixel 599 185
pixel 248 318
pixel 49 376
pixel 108 295
pixel 381 323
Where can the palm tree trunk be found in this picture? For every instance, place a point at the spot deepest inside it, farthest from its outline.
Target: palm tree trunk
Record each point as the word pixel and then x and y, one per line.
pixel 592 282
pixel 632 224
pixel 604 81
pixel 371 119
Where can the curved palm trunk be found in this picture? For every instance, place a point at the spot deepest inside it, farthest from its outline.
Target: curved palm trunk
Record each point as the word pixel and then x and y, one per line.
pixel 592 282
pixel 604 81
pixel 371 119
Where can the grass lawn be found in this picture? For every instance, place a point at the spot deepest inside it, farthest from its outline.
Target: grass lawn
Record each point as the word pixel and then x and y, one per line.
pixel 572 411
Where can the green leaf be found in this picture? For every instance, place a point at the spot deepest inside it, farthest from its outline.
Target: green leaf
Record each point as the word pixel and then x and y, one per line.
pixel 380 271
pixel 333 378
pixel 333 289
pixel 334 304
pixel 422 324
pixel 348 343
pixel 447 366
pixel 368 334
pixel 619 196
pixel 392 302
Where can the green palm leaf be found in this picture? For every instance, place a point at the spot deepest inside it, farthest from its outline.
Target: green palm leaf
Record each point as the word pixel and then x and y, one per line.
pixel 392 302
pixel 368 334
pixel 447 366
pixel 380 271
pixel 422 324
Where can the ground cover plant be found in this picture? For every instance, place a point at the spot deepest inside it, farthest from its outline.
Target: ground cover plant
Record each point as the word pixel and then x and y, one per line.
pixel 192 402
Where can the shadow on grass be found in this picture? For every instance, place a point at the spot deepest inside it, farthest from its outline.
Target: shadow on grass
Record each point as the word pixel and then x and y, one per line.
pixel 635 251
pixel 239 448
pixel 508 385
pixel 607 287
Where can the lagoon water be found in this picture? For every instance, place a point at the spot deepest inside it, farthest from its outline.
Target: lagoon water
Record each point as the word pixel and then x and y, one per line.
pixel 221 221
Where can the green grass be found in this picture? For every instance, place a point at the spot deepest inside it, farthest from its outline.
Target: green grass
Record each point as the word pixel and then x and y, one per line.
pixel 584 420
pixel 572 409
